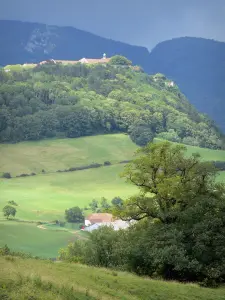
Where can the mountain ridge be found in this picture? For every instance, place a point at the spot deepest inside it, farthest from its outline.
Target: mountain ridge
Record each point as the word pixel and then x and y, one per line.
pixel 40 41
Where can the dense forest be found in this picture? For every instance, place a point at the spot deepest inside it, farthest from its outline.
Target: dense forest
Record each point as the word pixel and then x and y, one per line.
pixel 56 100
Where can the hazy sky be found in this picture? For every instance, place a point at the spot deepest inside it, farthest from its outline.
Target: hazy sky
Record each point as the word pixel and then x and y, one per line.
pixel 140 22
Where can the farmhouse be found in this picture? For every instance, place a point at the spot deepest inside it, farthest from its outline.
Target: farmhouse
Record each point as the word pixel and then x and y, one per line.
pixel 116 225
pixel 98 218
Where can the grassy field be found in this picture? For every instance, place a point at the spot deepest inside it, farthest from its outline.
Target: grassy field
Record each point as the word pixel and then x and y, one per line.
pixel 29 238
pixel 54 154
pixel 35 279
pixel 45 197
pixel 206 154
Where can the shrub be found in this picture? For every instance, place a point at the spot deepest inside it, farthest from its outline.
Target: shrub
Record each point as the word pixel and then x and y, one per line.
pixel 23 175
pixel 5 250
pixel 6 175
pixel 219 165
pixel 125 161
pixel 120 61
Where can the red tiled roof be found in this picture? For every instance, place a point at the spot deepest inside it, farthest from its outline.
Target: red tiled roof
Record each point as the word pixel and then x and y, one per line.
pixel 100 218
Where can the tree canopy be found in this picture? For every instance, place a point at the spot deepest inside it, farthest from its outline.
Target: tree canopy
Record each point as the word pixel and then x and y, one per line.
pixel 169 182
pixel 8 211
pixel 120 60
pixel 74 215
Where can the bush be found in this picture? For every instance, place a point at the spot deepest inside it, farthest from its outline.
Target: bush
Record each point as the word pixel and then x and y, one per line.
pixel 125 161
pixel 5 250
pixel 23 175
pixel 6 175
pixel 120 61
pixel 219 165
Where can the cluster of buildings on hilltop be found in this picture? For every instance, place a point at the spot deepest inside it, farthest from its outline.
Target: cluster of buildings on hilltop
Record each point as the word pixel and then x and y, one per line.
pixel 84 60
pixel 96 220
pixel 103 60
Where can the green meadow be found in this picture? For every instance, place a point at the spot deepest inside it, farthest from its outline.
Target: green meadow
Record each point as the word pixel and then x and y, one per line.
pixel 29 238
pixel 45 197
pixel 58 154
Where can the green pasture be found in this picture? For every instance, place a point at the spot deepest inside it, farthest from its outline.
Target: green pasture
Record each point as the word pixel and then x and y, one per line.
pixel 45 197
pixel 29 238
pixel 59 154
pixel 206 154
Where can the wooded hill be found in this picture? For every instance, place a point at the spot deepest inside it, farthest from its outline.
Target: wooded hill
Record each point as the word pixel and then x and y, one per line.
pixel 56 100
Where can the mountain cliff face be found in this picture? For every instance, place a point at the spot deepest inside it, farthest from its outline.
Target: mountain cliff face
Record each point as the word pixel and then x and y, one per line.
pixel 198 67
pixel 31 42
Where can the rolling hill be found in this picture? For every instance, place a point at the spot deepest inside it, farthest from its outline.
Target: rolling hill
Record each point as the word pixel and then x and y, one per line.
pixel 36 279
pixel 57 100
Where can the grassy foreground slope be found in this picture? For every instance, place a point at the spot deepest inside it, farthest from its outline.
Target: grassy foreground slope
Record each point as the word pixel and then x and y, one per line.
pixel 54 154
pixel 35 279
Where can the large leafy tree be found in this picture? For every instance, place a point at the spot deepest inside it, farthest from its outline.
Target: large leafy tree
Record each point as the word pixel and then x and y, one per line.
pixel 169 182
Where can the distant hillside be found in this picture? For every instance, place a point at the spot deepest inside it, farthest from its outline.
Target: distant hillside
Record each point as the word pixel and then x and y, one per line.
pixel 24 42
pixel 198 67
pixel 36 279
pixel 56 100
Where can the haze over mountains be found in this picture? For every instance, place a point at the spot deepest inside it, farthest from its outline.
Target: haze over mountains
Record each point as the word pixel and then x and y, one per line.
pixel 196 65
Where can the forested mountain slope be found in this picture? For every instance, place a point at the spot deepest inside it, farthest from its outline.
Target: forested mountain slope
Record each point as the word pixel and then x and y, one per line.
pixel 56 100
pixel 198 67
